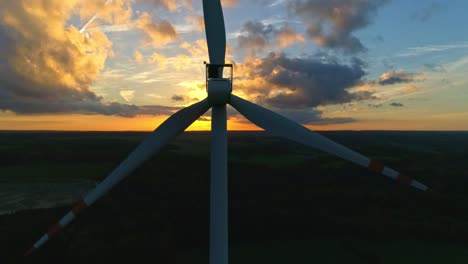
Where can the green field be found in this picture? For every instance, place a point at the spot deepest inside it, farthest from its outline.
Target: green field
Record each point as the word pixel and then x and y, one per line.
pixel 344 251
pixel 288 203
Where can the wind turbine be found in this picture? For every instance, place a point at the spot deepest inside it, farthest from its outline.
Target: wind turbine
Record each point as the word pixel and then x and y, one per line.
pixel 219 94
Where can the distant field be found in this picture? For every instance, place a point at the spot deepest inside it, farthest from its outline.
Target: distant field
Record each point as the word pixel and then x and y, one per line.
pixel 287 202
pixel 343 251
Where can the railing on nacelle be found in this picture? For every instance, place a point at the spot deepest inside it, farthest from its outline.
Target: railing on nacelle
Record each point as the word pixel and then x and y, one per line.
pixel 218 87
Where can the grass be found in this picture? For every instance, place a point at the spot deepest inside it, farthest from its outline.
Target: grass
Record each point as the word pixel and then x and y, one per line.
pixel 341 251
pixel 288 203
pixel 53 171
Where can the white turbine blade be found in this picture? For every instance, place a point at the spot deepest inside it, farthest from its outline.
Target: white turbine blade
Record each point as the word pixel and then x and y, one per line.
pixel 283 127
pixel 168 130
pixel 219 187
pixel 215 31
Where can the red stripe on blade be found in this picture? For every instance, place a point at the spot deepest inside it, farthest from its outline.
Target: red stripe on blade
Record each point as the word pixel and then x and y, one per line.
pixel 53 230
pixel 375 166
pixel 79 206
pixel 404 180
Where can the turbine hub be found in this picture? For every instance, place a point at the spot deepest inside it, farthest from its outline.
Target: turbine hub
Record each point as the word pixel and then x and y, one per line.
pixel 218 85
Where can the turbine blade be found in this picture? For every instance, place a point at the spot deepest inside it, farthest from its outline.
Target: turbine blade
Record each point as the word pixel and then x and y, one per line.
pixel 219 187
pixel 215 31
pixel 283 127
pixel 168 130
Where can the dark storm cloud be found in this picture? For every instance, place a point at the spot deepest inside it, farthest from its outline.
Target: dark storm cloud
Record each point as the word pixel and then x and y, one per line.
pixel 204 118
pixel 396 104
pixel 312 117
pixel 178 98
pixel 256 36
pixel 395 77
pixel 308 81
pixel 332 23
pixel 375 105
pixel 72 102
pixel 183 98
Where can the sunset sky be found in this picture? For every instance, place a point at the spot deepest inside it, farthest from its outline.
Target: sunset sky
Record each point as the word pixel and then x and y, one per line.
pixel 328 64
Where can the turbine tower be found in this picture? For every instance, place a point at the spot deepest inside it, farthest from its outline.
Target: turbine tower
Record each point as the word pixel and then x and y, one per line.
pixel 219 94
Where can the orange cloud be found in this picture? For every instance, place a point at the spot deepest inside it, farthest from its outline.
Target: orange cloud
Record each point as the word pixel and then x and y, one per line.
pixel 229 3
pixel 396 77
pixel 198 21
pixel 49 66
pixel 199 49
pixel 171 5
pixel 138 56
pixel 158 59
pixel 110 11
pixel 48 53
pixel 410 89
pixel 158 33
pixel 182 62
pixel 287 37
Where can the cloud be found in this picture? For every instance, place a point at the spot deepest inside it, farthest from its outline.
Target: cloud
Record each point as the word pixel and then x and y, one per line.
pixel 427 12
pixel 302 82
pixel 395 77
pixel 256 36
pixel 188 4
pixel 435 67
pixel 154 110
pixel 178 98
pixel 307 116
pixel 313 117
pixel 286 37
pixel 197 49
pixel 375 105
pixel 159 60
pixel 158 33
pixel 92 11
pixel 128 95
pixel 170 5
pixel 204 118
pixel 332 23
pixel 48 67
pixel 409 89
pixel 138 56
pixel 229 3
pixel 396 104
pixel 198 21
pixel 182 98
pixel 427 49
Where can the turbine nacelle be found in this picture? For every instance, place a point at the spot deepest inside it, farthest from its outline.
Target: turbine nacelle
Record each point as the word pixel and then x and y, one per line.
pixel 219 87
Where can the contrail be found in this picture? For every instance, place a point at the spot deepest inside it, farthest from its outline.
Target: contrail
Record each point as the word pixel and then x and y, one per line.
pixel 87 23
pixel 92 19
pixel 112 28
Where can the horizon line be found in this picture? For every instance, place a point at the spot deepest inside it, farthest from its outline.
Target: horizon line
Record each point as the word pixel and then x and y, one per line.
pixel 231 130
